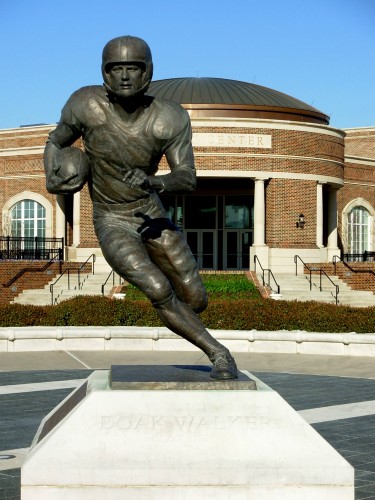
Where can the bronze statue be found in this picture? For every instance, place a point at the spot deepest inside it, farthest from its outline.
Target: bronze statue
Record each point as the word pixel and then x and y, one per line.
pixel 125 134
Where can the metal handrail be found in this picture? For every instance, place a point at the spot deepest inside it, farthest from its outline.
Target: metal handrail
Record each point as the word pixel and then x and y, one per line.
pixel 93 256
pixel 321 271
pixel 68 270
pixel 296 257
pixel 335 258
pixel 270 273
pixel 113 274
pixel 352 269
pixel 54 283
pixel 31 269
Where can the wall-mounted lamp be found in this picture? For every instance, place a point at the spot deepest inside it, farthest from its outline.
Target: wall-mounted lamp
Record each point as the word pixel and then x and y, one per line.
pixel 301 221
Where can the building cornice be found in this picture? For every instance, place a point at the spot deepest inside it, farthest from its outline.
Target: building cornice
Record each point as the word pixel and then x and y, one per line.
pixel 31 150
pixel 361 160
pixel 264 174
pixel 359 129
pixel 26 130
pixel 252 123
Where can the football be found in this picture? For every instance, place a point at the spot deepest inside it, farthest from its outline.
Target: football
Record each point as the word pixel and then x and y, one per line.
pixel 72 168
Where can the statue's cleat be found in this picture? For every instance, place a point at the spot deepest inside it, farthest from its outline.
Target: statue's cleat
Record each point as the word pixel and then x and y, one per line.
pixel 224 367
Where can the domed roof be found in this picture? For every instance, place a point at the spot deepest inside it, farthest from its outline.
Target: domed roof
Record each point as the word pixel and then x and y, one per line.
pixel 207 97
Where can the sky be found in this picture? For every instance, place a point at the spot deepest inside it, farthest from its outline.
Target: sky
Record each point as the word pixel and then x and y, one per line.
pixel 319 51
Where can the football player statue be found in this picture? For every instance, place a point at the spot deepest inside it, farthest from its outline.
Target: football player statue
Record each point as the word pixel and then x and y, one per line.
pixel 125 134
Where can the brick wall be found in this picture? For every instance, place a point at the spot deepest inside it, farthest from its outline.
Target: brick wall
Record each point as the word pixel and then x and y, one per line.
pixel 285 201
pixel 358 275
pixel 359 179
pixel 360 142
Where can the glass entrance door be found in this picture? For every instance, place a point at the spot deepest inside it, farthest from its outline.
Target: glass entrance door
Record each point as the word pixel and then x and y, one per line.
pixel 237 249
pixel 203 246
pixel 218 227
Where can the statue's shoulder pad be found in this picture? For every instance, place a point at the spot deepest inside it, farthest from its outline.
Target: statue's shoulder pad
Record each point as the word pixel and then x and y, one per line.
pixel 170 114
pixel 88 92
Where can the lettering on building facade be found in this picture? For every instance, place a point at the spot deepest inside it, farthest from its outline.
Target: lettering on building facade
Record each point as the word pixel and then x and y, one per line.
pixel 220 140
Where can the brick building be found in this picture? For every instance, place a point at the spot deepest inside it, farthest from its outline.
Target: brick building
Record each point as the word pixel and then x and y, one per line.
pixel 274 180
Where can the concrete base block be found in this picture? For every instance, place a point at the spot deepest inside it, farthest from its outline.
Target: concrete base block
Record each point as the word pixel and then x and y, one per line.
pixel 152 440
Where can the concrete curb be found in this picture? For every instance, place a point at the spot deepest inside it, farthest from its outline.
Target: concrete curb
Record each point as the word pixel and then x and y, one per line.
pixel 23 339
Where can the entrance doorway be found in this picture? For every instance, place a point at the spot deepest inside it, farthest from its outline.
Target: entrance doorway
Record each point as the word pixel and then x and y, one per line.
pixel 218 227
pixel 203 244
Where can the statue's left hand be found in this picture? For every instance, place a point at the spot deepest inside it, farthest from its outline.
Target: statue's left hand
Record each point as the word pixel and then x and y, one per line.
pixel 136 178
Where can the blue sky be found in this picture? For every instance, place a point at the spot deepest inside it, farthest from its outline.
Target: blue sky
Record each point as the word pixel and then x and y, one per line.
pixel 319 51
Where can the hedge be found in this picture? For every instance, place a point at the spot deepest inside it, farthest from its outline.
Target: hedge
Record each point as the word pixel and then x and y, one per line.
pixel 239 314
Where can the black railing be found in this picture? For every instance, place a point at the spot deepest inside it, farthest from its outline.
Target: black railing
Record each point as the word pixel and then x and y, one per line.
pixel 269 274
pixel 359 257
pixel 113 275
pixel 31 248
pixel 321 273
pixel 54 258
pixel 353 270
pixel 67 272
pixel 51 287
pixel 93 257
pixel 335 259
pixel 305 266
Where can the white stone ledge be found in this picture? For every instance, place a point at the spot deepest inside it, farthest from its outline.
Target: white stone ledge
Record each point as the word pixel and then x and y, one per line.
pixel 22 339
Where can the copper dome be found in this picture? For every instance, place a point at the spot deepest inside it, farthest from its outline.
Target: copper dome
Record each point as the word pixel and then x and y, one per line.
pixel 219 97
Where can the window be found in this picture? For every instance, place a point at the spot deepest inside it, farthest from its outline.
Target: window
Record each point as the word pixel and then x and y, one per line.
pixel 200 212
pixel 238 212
pixel 28 219
pixel 358 230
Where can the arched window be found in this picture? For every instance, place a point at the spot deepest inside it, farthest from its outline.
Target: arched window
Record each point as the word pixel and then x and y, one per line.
pixel 358 230
pixel 28 219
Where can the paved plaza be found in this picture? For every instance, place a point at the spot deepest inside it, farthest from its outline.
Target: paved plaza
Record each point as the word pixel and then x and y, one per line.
pixel 335 394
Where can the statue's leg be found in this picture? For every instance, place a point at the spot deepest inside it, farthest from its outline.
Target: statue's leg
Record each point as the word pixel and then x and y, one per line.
pixel 149 252
pixel 173 257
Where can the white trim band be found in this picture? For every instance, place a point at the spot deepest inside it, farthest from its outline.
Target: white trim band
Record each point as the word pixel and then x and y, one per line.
pixel 23 339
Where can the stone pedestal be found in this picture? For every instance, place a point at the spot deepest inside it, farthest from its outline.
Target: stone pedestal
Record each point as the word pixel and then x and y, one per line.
pixel 172 433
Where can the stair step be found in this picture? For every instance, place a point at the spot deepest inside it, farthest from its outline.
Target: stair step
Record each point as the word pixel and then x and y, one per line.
pixel 90 285
pixel 294 287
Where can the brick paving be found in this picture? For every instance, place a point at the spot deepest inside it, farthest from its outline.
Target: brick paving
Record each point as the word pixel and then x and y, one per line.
pixel 353 438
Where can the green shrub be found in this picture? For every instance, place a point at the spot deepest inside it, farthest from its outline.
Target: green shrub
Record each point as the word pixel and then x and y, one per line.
pixel 22 315
pixel 83 311
pixel 225 314
pixel 132 293
pixel 229 285
pixel 217 286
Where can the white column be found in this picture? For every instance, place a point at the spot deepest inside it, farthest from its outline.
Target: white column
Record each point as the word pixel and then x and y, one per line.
pixel 259 213
pixel 61 220
pixel 332 248
pixel 60 216
pixel 77 219
pixel 259 248
pixel 319 215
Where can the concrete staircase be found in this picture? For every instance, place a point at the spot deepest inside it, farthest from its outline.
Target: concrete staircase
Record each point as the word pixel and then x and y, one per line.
pixel 91 284
pixel 294 287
